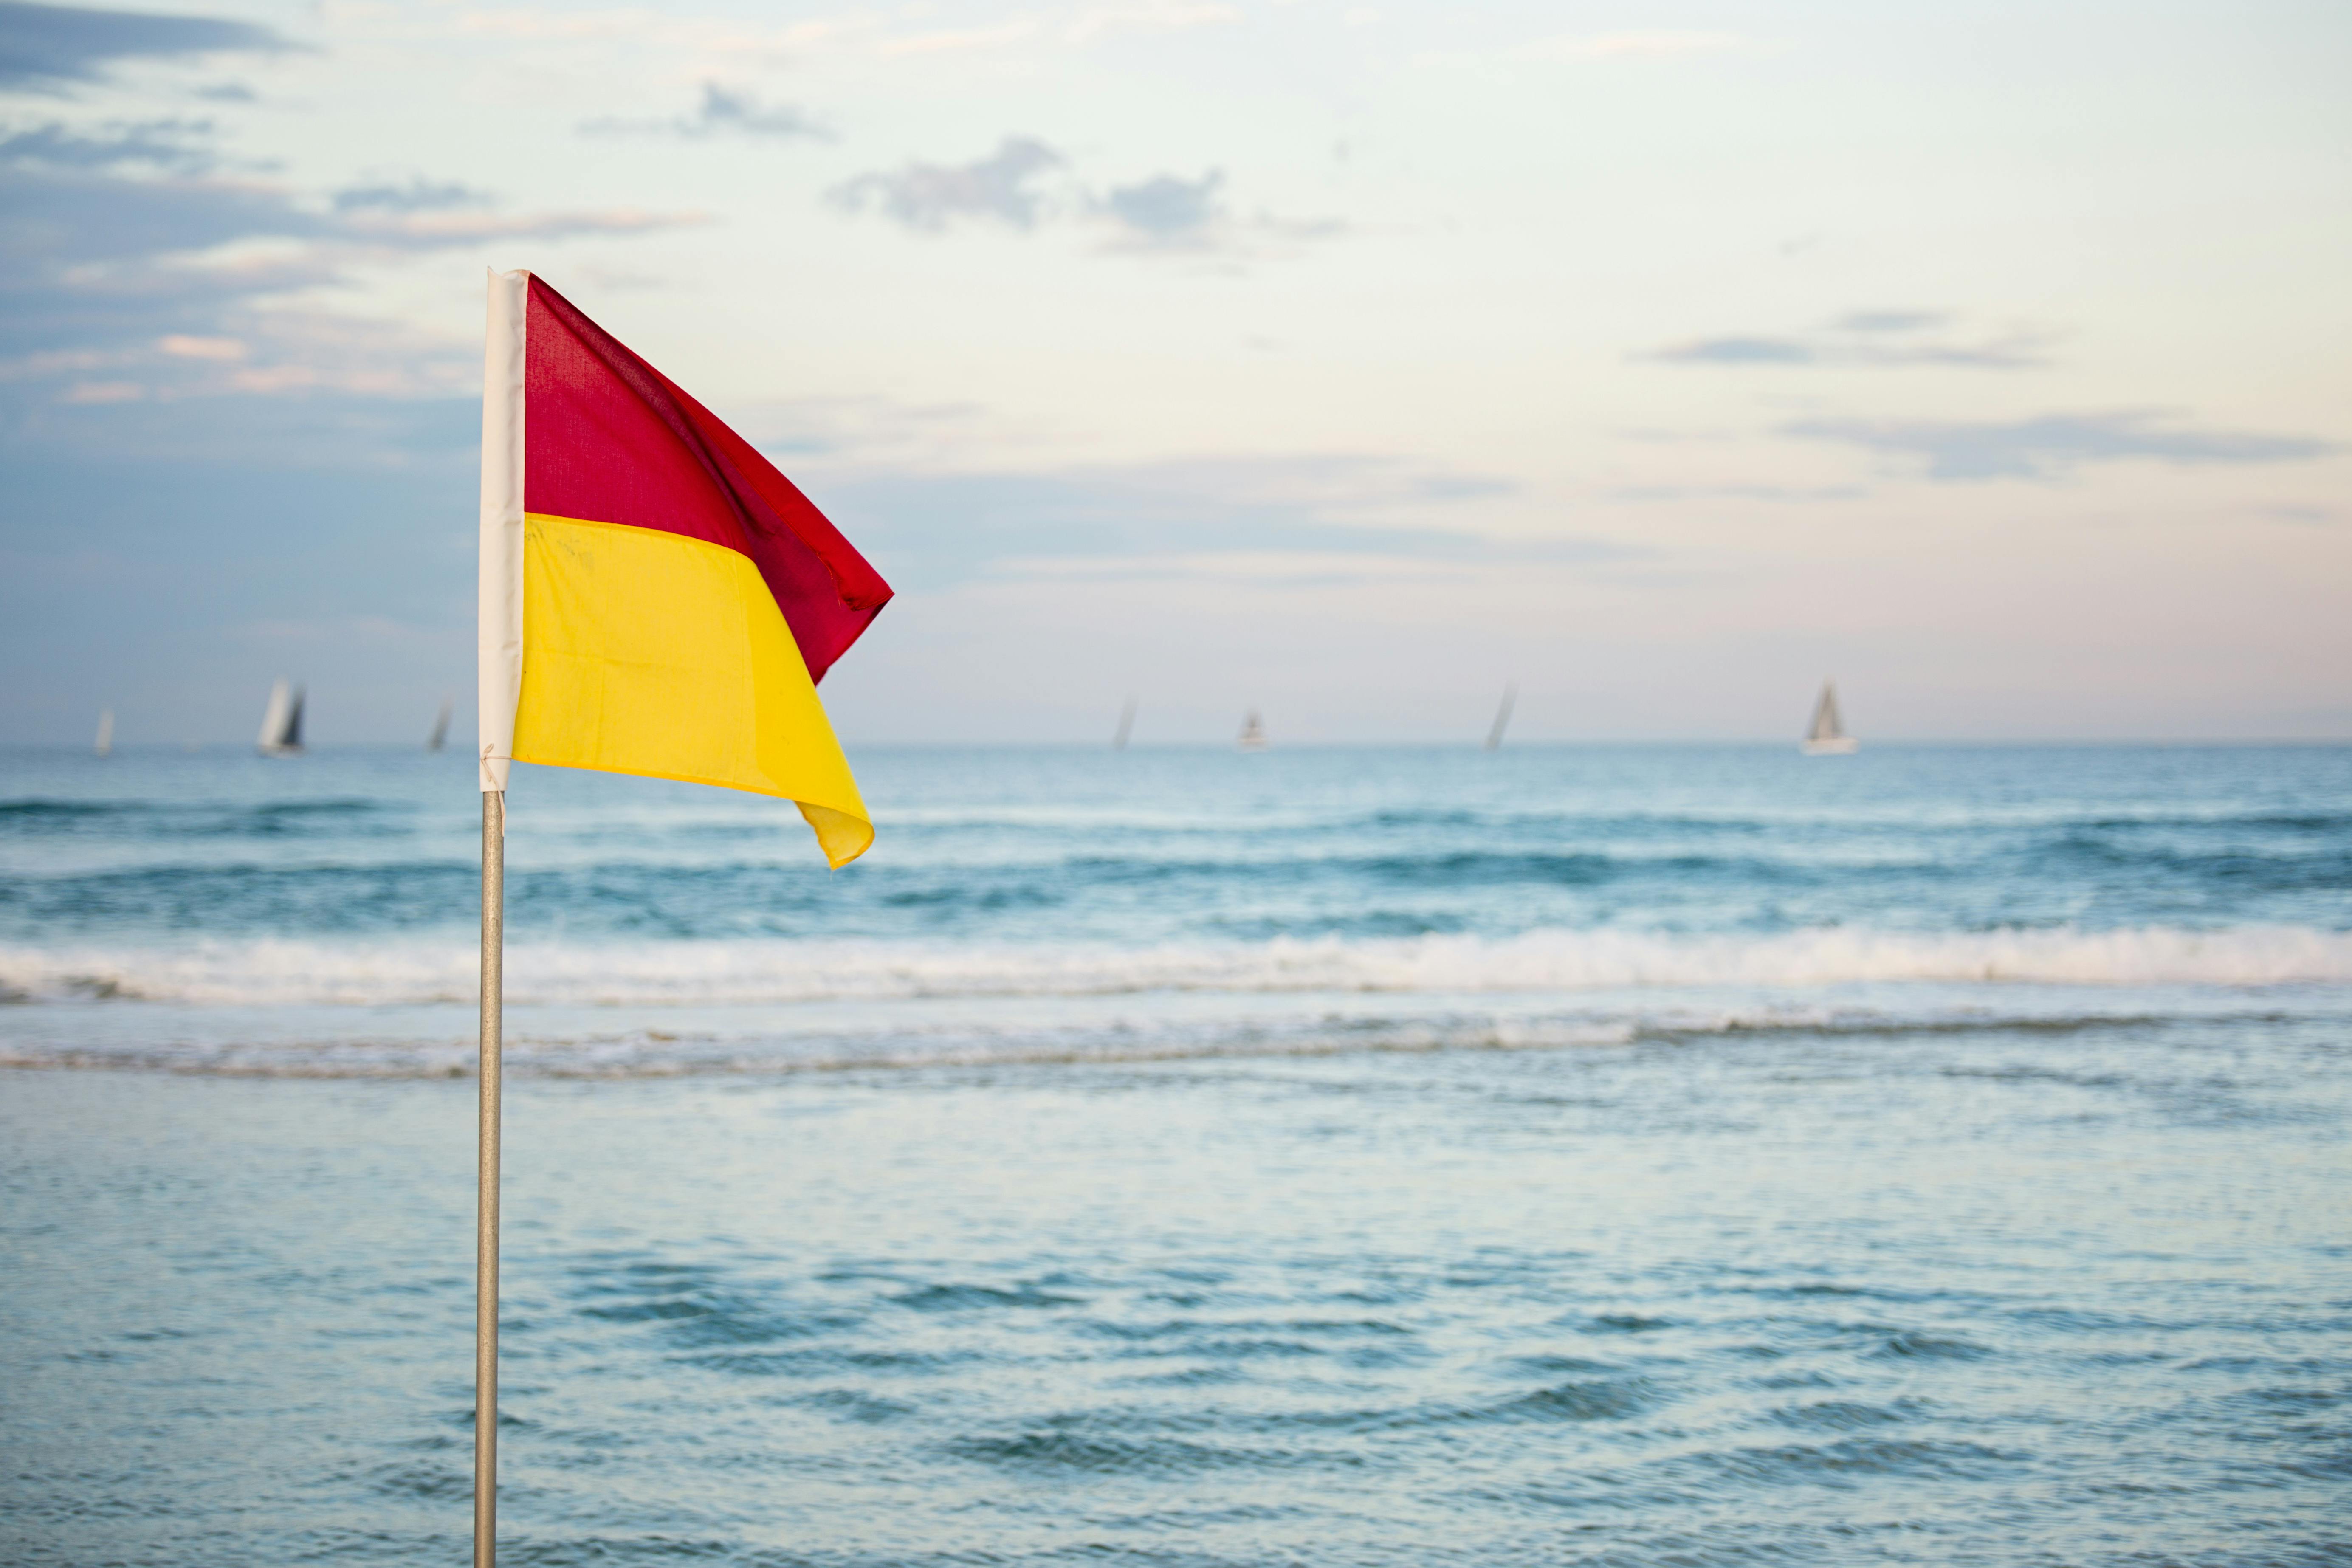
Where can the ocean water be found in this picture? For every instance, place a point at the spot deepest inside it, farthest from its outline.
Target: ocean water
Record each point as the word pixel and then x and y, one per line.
pixel 1577 1154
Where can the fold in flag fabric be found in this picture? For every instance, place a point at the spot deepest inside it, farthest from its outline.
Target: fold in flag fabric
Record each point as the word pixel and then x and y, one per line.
pixel 657 598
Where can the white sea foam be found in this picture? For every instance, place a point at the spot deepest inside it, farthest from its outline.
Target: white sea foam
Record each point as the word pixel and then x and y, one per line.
pixel 754 972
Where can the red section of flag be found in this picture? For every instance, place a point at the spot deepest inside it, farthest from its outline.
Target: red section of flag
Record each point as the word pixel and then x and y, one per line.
pixel 608 438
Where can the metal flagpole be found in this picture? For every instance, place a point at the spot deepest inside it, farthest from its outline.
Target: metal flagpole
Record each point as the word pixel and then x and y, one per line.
pixel 486 1218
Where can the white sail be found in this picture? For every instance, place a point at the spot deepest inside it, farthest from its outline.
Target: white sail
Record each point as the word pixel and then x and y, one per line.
pixel 281 722
pixel 1825 717
pixel 440 736
pixel 105 730
pixel 1502 717
pixel 273 718
pixel 1125 726
pixel 1253 737
pixel 1827 737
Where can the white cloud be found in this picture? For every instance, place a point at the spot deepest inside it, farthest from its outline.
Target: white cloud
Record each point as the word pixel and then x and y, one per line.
pixel 1166 213
pixel 93 392
pixel 181 346
pixel 929 196
pixel 721 111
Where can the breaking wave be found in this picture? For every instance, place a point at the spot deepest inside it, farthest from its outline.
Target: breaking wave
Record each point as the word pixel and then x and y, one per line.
pixel 409 972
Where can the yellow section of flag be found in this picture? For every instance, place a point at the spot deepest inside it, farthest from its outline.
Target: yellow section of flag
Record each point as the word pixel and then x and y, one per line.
pixel 653 653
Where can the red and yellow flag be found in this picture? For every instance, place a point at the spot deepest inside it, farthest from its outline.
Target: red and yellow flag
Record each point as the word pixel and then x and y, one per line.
pixel 657 598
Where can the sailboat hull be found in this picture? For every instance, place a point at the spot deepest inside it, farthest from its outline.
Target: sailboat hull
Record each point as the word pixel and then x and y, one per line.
pixel 1836 746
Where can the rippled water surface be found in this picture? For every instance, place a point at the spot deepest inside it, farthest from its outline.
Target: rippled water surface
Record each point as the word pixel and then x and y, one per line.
pixel 1655 1156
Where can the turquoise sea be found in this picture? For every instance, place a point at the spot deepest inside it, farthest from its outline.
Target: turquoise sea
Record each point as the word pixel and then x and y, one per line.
pixel 1666 1154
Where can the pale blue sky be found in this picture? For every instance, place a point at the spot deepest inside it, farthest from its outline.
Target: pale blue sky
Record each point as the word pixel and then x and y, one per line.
pixel 1344 361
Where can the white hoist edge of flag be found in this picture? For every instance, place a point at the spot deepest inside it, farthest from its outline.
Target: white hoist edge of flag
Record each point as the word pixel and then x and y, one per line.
pixel 499 648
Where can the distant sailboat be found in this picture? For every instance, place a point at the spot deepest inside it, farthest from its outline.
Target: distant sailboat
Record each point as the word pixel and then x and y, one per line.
pixel 1502 717
pixel 1252 732
pixel 440 736
pixel 1125 726
pixel 105 732
pixel 282 724
pixel 1828 738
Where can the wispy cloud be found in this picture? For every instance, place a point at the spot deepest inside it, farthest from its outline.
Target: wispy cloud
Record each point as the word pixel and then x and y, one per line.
pixel 1169 214
pixel 130 271
pixel 933 529
pixel 435 229
pixel 929 197
pixel 1166 213
pixel 85 219
pixel 2053 445
pixel 1739 351
pixel 1872 339
pixel 52 46
pixel 165 144
pixel 723 112
pixel 419 194
pixel 1016 185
